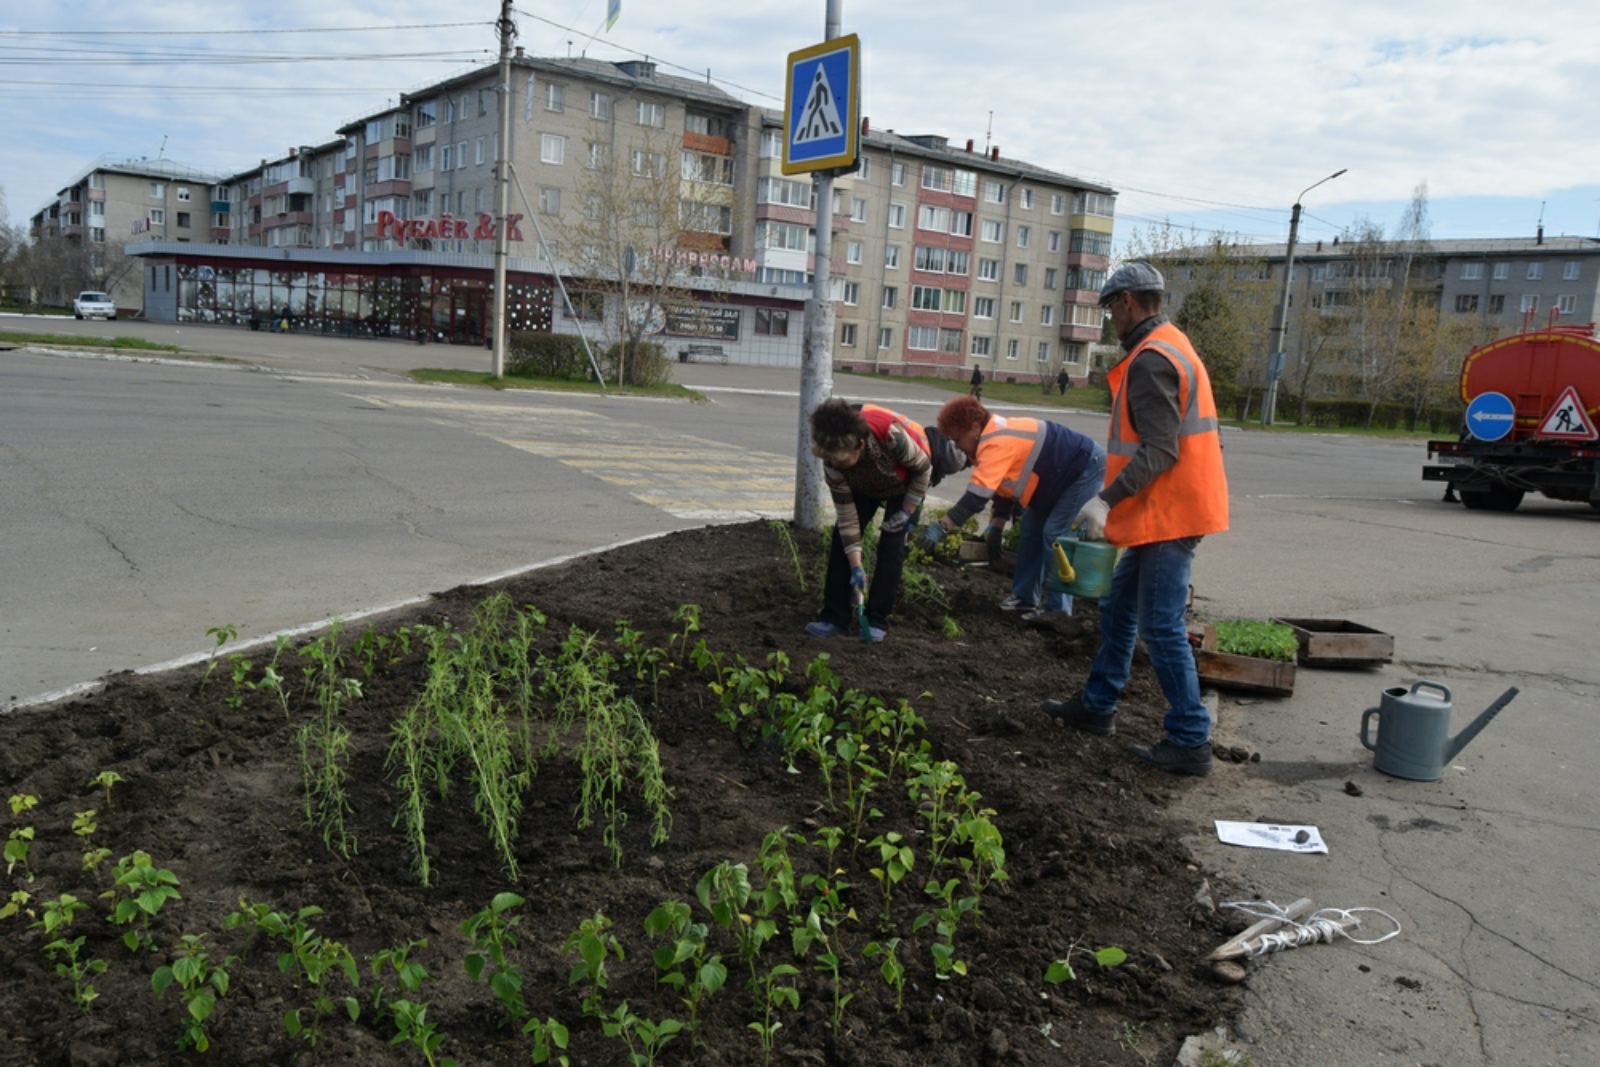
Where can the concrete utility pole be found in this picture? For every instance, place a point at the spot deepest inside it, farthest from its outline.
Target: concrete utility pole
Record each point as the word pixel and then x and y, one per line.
pixel 502 182
pixel 816 361
pixel 1275 354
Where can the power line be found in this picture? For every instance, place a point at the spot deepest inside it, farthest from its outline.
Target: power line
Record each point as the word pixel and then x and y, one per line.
pixel 228 33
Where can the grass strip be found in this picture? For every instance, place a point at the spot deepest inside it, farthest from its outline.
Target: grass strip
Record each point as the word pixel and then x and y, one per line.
pixel 484 378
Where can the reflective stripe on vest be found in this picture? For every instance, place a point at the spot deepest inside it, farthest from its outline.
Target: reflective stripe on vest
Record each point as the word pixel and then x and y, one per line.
pixel 1015 487
pixel 1191 422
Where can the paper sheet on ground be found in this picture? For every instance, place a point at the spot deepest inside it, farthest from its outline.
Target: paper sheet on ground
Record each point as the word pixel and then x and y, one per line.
pixel 1270 835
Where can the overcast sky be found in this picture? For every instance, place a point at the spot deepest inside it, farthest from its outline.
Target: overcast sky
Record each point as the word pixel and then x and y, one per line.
pixel 1206 114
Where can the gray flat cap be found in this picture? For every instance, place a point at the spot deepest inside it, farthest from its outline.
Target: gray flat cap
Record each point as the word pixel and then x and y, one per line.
pixel 1133 277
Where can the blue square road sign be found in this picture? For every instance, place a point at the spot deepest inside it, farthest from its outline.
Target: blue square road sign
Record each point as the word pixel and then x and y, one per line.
pixel 822 107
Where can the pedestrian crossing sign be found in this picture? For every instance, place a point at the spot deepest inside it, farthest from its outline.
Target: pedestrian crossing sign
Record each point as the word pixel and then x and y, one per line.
pixel 1568 420
pixel 822 107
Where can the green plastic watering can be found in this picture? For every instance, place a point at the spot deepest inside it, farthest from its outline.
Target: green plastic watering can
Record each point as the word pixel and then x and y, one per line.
pixel 1082 568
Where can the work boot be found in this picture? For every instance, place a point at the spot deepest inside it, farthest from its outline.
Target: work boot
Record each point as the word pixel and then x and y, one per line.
pixel 1072 713
pixel 823 628
pixel 875 634
pixel 1176 759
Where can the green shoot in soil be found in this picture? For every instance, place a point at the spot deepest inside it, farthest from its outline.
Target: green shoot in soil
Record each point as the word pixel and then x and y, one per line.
pixel 492 932
pixel 200 983
pixel 1256 637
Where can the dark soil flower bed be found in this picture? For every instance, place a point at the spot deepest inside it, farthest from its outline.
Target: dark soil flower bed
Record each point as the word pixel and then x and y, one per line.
pixel 214 794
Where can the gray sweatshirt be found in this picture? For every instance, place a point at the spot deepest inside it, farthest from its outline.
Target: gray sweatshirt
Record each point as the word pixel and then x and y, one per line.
pixel 1153 390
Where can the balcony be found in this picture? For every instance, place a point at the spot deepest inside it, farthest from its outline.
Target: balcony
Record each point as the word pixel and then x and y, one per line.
pixel 221 207
pixel 1088 334
pixel 289 218
pixel 300 184
pixel 704 142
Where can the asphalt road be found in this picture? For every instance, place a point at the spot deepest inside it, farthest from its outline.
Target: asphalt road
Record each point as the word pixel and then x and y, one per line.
pixel 145 502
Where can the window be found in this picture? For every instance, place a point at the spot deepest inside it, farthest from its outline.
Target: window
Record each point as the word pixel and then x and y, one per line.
pixel 461 155
pixel 1565 304
pixel 1052 241
pixel 1502 271
pixel 1049 277
pixel 993 231
pixel 1011 348
pixel 477 150
pixel 1471 272
pixel 981 345
pixel 421 203
pixel 1027 199
pixel 988 270
pixel 1094 204
pixel 427 114
pixel 852 293
pixel 961 223
pixel 926 298
pixel 555 96
pixel 891 257
pixel 1024 234
pixel 897 215
pixel 1016 311
pixel 98 233
pixel 955 301
pixel 932 218
pixel 770 322
pixel 865 172
pixel 885 337
pixel 1467 302
pixel 1020 274
pixel 787 236
pixel 392 167
pixel 891 296
pixel 552 149
pixel 858 205
pixel 852 252
pixel 708 168
pixel 369 173
pixel 1044 352
pixel 652 114
pixel 485 102
pixel 646 213
pixel 780 191
pixel 422 158
pixel 931 259
pixel 1497 304
pixel 771 144
pixel 1530 302
pixel 983 307
pixel 446 155
pixel 158 190
pixel 1569 272
pixel 847 335
pixel 949 340
pixel 599 155
pixel 701 217
pixel 897 174
pixel 480 198
pixel 600 106
pixel 549 200
pixel 1047 315
pixel 937 178
pixel 97 209
pixel 966 183
pixel 649 164
pixel 704 125
pixel 1535 271
pixel 1058 203
pixel 183 194
pixel 994 192
pixel 158 216
pixel 956 262
pixel 1098 244
pixel 922 338
pixel 183 220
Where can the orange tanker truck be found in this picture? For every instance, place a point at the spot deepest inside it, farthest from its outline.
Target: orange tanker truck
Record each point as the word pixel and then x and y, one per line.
pixel 1530 427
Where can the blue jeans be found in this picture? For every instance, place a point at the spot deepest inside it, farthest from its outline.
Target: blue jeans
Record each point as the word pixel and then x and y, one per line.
pixel 1149 593
pixel 1040 528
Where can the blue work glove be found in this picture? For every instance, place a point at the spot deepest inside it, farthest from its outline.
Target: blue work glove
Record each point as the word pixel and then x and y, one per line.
pixel 932 536
pixel 858 578
pixel 895 523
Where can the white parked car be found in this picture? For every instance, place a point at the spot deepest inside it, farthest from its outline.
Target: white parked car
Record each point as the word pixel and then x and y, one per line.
pixel 90 305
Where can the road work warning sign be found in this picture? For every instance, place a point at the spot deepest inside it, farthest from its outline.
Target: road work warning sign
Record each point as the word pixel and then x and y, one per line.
pixel 1568 421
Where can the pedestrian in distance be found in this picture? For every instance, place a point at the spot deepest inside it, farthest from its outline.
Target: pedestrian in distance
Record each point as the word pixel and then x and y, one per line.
pixel 1165 490
pixel 871 457
pixel 1063 381
pixel 1043 468
pixel 976 381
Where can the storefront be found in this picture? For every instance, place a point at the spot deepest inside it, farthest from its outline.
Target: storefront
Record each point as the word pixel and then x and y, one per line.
pixel 438 297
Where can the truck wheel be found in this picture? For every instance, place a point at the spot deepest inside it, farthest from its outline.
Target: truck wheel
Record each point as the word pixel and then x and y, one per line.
pixel 1494 498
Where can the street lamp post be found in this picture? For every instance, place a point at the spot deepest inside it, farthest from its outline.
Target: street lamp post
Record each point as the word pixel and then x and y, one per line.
pixel 1275 354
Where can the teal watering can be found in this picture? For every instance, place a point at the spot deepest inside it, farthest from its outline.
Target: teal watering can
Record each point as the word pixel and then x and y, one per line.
pixel 1414 730
pixel 1083 568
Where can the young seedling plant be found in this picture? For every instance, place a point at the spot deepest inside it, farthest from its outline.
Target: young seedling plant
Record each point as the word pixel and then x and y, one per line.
pixel 83 828
pixel 645 1038
pixel 1060 971
pixel 892 970
pixel 144 889
pixel 774 997
pixel 408 973
pixel 56 916
pixel 311 958
pixel 412 1027
pixel 492 932
pixel 200 983
pixel 682 963
pixel 594 944
pixel 105 780
pixel 221 635
pixel 21 838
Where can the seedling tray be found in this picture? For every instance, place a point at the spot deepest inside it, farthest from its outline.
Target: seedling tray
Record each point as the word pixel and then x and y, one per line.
pixel 1340 643
pixel 1249 674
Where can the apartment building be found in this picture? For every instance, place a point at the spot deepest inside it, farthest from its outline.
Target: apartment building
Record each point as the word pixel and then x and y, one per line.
pixel 1483 287
pixel 112 203
pixel 945 259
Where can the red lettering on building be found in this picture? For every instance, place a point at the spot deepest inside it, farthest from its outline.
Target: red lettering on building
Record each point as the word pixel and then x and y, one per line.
pixel 445 226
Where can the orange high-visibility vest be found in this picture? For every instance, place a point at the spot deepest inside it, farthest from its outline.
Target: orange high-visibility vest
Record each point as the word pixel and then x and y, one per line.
pixel 1007 452
pixel 1190 498
pixel 880 419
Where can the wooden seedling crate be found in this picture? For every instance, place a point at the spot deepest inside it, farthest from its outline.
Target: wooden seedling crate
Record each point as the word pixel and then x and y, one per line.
pixel 1248 674
pixel 1340 643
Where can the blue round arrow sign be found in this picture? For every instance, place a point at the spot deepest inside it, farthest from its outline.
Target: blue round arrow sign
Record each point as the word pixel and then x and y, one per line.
pixel 1490 416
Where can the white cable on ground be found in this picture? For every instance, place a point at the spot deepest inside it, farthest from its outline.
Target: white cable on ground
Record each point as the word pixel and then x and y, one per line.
pixel 1324 924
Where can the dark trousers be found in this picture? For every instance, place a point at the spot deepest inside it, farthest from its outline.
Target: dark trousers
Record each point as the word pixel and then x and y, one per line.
pixel 838 599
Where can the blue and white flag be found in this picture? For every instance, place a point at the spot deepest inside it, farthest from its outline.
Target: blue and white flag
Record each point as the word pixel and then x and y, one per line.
pixel 613 9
